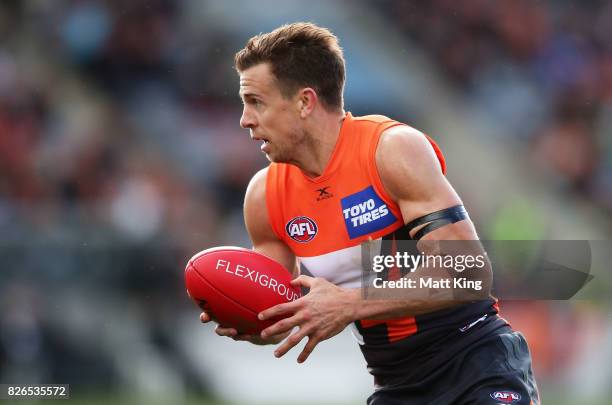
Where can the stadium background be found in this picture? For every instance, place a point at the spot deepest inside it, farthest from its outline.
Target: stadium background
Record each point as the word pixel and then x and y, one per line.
pixel 121 156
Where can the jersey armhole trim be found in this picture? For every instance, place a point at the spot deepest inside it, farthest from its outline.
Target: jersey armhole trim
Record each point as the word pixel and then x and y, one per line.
pixel 375 174
pixel 272 204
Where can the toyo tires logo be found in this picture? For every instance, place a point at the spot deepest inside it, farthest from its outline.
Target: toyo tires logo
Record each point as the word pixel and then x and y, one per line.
pixel 365 212
pixel 301 229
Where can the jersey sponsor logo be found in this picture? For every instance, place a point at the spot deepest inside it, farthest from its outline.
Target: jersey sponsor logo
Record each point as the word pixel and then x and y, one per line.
pixel 506 397
pixel 365 212
pixel 301 229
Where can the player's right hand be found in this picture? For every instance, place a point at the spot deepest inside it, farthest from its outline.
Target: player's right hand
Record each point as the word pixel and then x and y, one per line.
pixel 233 334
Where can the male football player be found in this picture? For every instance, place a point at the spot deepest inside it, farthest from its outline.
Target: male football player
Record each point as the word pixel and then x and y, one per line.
pixel 335 181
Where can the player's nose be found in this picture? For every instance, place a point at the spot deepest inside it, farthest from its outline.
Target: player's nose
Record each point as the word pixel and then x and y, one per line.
pixel 247 120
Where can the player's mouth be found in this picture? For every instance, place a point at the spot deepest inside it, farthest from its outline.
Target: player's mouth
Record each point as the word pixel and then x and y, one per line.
pixel 265 146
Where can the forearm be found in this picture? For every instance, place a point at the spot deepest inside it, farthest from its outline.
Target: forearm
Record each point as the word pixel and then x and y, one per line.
pixel 432 286
pixel 392 308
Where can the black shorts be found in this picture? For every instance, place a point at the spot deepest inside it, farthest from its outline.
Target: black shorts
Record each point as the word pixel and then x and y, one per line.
pixel 494 371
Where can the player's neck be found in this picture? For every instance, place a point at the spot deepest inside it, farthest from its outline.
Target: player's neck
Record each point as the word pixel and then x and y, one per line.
pixel 318 149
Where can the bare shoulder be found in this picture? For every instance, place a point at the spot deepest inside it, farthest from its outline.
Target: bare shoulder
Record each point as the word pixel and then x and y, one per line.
pixel 407 162
pixel 256 190
pixel 255 207
pixel 406 145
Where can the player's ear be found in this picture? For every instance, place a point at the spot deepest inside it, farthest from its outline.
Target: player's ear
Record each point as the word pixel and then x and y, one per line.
pixel 307 101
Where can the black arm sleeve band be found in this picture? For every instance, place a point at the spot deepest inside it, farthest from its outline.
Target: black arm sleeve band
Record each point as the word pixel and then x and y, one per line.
pixel 437 220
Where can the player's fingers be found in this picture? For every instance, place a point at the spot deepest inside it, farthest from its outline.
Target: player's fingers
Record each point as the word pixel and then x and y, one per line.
pixel 229 332
pixel 312 342
pixel 204 317
pixel 290 342
pixel 279 309
pixel 304 281
pixel 282 326
pixel 243 337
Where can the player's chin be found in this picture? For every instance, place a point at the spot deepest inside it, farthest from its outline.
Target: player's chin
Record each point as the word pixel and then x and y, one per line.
pixel 274 157
pixel 269 158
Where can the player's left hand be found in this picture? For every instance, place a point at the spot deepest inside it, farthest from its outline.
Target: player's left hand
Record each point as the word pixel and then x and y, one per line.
pixel 321 314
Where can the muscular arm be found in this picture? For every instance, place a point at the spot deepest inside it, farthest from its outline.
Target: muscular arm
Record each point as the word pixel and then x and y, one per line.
pixel 411 174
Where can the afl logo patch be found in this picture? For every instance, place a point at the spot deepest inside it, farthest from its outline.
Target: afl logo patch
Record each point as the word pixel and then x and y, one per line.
pixel 506 397
pixel 301 229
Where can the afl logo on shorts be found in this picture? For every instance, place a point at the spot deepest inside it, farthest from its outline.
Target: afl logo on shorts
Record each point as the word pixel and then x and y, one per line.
pixel 506 397
pixel 301 229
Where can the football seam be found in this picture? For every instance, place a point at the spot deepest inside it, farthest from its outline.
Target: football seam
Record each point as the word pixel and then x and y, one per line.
pixel 222 293
pixel 239 250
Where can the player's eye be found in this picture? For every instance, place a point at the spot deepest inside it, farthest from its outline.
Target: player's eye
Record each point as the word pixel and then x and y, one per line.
pixel 252 101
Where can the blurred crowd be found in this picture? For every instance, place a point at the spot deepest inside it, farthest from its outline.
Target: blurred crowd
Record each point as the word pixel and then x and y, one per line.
pixel 120 157
pixel 118 117
pixel 542 70
pixel 121 153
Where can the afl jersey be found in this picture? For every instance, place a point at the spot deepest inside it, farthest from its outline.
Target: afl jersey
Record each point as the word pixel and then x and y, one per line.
pixel 324 220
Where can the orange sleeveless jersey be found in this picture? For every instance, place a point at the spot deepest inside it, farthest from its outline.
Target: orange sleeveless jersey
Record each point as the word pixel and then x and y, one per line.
pixel 324 220
pixel 344 206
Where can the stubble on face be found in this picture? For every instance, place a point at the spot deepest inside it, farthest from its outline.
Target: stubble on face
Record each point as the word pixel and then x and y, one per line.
pixel 288 149
pixel 279 124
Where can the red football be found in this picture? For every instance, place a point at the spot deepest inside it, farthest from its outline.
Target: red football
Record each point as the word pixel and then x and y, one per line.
pixel 234 284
